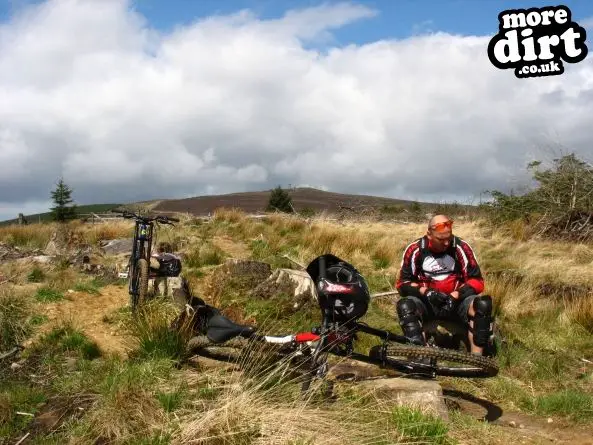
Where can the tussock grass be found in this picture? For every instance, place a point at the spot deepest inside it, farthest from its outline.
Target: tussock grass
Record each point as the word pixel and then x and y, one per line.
pixel 265 408
pixel 230 215
pixel 152 335
pixel 14 313
pixel 204 254
pixel 580 311
pixel 93 233
pixel 35 236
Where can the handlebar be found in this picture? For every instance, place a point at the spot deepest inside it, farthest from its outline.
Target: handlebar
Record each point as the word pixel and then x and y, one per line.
pixel 159 218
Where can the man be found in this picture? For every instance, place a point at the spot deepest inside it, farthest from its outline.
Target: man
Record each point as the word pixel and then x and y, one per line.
pixel 440 278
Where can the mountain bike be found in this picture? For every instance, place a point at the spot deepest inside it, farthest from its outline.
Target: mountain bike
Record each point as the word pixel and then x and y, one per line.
pixel 343 298
pixel 139 270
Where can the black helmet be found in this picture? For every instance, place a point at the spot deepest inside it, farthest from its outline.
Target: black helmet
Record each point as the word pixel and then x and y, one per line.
pixel 343 291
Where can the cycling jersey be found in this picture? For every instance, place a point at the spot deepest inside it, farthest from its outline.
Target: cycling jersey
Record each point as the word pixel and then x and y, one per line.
pixel 454 269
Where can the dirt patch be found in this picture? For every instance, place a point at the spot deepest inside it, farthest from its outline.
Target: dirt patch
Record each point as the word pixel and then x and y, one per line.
pixel 87 312
pixel 524 427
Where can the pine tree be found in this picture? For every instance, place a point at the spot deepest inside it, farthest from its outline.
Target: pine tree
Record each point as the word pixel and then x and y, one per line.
pixel 62 198
pixel 280 200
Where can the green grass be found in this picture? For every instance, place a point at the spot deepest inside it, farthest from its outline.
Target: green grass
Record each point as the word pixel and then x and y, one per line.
pixel 48 295
pixel 570 403
pixel 36 275
pixel 87 287
pixel 417 427
pixel 68 340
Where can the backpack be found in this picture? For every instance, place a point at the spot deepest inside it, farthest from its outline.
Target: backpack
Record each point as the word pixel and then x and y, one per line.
pixel 169 265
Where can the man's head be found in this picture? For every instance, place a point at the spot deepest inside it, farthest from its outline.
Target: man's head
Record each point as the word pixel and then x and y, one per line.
pixel 440 232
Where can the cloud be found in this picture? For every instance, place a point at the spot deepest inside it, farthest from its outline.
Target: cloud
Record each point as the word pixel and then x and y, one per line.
pixel 586 23
pixel 230 103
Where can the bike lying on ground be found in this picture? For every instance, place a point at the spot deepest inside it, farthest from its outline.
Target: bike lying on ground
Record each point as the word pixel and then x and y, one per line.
pixel 343 297
pixel 139 270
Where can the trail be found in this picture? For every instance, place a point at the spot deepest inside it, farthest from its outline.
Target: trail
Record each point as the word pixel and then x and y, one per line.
pixel 91 314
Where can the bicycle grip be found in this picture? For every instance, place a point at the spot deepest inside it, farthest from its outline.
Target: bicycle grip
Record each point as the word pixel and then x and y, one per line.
pixel 322 267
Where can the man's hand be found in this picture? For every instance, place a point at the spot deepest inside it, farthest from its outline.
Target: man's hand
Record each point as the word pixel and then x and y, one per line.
pixel 436 298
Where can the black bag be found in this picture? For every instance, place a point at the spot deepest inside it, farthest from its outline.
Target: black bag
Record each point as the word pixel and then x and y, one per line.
pixel 169 265
pixel 343 292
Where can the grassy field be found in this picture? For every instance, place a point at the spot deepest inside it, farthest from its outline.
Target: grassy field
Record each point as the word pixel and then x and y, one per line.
pixel 74 388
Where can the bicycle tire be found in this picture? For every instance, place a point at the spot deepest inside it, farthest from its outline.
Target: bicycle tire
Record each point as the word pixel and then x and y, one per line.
pixel 143 285
pixel 482 366
pixel 133 286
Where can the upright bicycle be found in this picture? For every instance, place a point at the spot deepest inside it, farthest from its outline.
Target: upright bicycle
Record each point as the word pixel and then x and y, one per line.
pixel 139 269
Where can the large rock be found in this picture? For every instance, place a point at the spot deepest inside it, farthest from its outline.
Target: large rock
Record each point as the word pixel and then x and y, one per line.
pixel 288 281
pixel 425 395
pixel 247 274
pixel 354 370
pixel 177 288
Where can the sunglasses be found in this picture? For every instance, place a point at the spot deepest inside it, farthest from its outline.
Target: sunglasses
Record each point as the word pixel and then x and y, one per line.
pixel 442 226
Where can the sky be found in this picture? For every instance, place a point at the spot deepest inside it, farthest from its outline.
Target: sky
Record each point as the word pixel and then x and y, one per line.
pixel 145 99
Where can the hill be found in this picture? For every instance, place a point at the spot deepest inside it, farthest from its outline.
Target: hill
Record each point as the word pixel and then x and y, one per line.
pixel 303 198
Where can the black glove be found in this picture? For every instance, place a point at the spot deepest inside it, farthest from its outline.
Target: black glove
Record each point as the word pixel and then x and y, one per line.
pixel 436 298
pixel 450 306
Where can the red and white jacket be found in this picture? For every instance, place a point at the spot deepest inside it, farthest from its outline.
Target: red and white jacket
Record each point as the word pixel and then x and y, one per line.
pixel 454 269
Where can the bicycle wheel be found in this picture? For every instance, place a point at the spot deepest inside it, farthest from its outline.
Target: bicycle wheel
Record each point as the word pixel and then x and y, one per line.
pixel 444 362
pixel 142 266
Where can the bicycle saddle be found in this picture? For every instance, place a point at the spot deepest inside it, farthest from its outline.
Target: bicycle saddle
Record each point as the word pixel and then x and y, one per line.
pixel 221 329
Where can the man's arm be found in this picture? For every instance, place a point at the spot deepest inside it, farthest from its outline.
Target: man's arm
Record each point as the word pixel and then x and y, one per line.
pixel 407 282
pixel 473 282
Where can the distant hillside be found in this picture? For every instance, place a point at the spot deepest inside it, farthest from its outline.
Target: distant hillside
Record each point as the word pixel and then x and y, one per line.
pixel 46 216
pixel 302 198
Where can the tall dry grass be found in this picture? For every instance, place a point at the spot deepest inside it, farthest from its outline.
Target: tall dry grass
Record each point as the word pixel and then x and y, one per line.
pixel 34 236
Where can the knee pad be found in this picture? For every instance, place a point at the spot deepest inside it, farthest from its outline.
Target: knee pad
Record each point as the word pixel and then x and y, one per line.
pixel 409 320
pixel 482 329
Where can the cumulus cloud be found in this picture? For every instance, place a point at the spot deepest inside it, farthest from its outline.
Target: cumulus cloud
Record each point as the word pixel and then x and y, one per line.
pixel 90 91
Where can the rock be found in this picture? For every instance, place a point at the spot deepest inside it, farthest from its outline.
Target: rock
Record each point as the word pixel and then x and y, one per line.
pixel 118 246
pixel 288 281
pixel 43 259
pixel 246 274
pixel 425 395
pixel 512 423
pixel 175 287
pixel 348 369
pixel 8 252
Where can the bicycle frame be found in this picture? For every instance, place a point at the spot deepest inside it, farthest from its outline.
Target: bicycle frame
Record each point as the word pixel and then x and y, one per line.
pixel 141 248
